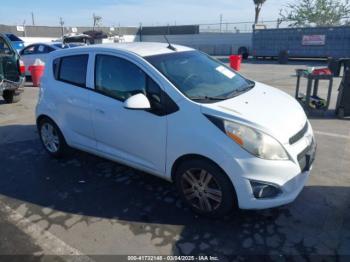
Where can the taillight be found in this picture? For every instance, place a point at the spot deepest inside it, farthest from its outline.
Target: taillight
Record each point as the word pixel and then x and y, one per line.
pixel 22 67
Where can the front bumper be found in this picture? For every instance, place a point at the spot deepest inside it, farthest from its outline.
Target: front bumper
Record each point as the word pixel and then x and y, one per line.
pixel 289 177
pixel 290 191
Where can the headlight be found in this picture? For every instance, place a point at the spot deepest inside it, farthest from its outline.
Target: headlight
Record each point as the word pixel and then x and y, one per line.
pixel 255 142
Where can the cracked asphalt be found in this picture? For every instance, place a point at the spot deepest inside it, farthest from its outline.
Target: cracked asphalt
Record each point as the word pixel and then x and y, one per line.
pixel 98 207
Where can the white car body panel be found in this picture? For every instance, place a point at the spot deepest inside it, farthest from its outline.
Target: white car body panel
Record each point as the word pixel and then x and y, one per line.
pixel 153 144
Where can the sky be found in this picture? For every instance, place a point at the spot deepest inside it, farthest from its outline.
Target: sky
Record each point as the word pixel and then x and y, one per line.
pixel 134 12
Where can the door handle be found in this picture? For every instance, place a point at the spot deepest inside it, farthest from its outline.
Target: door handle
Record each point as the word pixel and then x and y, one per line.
pixel 100 111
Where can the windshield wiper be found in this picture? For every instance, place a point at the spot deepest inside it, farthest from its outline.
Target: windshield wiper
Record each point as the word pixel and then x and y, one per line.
pixel 251 85
pixel 208 98
pixel 241 91
pixel 229 96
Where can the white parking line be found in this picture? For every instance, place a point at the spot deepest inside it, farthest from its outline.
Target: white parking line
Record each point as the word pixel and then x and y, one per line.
pixel 332 135
pixel 50 244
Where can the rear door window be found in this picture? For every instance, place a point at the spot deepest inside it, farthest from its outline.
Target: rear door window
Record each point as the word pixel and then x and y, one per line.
pixel 73 69
pixel 30 50
pixel 41 49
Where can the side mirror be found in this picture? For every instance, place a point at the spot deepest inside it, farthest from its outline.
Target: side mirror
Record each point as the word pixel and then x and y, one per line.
pixel 137 102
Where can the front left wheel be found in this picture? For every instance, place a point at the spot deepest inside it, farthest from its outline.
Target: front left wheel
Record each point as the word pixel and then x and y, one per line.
pixel 52 138
pixel 205 188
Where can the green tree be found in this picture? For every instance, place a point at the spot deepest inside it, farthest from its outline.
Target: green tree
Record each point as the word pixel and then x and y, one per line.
pixel 315 12
pixel 258 5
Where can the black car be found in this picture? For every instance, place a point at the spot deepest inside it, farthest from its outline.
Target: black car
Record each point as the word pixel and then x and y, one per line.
pixel 11 72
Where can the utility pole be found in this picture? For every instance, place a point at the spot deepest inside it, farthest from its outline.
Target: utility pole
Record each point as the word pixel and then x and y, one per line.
pixel 97 20
pixel 140 31
pixel 33 21
pixel 221 18
pixel 24 28
pixel 62 24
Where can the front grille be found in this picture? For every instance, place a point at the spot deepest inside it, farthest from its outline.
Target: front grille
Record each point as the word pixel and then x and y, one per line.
pixel 299 135
pixel 307 157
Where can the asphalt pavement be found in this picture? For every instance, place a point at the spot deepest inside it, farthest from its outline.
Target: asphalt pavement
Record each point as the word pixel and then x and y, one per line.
pixel 83 207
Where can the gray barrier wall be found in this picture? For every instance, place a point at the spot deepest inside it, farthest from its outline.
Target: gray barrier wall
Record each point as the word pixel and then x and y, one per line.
pixel 56 31
pixel 170 30
pixel 210 43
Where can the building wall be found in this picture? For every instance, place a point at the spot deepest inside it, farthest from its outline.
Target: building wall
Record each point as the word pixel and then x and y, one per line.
pixel 56 31
pixel 211 43
pixel 170 30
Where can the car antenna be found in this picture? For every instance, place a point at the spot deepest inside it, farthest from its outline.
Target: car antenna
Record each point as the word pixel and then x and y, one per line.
pixel 170 46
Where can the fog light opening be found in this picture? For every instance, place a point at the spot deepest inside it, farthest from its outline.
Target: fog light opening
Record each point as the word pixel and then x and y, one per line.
pixel 263 191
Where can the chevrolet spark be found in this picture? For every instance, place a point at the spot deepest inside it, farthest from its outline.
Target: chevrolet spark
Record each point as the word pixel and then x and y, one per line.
pixel 177 113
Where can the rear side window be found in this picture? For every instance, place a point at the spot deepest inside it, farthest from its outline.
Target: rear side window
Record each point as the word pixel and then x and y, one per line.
pixel 72 69
pixel 30 50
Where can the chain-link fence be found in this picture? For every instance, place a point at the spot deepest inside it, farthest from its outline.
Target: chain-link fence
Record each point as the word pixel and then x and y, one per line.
pixel 240 27
pixel 223 27
pixel 247 27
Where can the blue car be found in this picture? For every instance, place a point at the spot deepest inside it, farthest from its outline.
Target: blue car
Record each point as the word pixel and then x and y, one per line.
pixel 16 42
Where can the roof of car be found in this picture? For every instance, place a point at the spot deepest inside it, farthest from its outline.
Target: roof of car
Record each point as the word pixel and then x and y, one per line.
pixel 140 48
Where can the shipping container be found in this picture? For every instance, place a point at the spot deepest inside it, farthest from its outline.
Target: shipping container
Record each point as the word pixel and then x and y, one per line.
pixel 313 42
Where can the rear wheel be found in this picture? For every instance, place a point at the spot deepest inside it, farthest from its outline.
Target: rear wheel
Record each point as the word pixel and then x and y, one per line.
pixel 11 97
pixel 341 113
pixel 52 138
pixel 205 188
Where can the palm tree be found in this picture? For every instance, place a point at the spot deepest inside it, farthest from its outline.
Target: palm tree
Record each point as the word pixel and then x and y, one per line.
pixel 258 6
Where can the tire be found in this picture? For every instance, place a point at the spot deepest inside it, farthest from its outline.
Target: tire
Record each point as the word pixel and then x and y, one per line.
pixel 341 113
pixel 55 145
pixel 243 51
pixel 194 191
pixel 283 57
pixel 10 97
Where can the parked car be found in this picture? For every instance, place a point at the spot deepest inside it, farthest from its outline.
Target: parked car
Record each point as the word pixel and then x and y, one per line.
pixel 40 51
pixel 11 72
pixel 16 42
pixel 177 113
pixel 78 39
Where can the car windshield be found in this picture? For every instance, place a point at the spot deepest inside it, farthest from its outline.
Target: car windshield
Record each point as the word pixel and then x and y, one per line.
pixel 65 46
pixel 200 77
pixel 59 45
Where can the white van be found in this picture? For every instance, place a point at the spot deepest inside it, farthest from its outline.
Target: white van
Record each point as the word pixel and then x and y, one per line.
pixel 179 114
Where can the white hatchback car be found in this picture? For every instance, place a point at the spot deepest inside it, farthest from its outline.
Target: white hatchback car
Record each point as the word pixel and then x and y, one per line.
pixel 177 113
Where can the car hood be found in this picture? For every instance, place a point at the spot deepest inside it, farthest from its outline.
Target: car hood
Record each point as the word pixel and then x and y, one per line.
pixel 265 108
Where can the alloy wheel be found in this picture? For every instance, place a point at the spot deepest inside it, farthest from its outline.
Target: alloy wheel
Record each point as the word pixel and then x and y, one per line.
pixel 50 137
pixel 201 190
